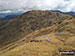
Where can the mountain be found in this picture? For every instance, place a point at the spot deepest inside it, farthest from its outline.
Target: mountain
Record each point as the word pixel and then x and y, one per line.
pixel 7 16
pixel 68 13
pixel 37 32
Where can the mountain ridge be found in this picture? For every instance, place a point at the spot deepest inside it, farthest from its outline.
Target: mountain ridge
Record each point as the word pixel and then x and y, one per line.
pixel 71 13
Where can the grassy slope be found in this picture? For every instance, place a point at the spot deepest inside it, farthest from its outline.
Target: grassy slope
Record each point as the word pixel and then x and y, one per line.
pixel 59 42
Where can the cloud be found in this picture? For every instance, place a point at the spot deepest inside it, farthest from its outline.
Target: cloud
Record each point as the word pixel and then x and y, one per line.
pixel 24 5
pixel 8 11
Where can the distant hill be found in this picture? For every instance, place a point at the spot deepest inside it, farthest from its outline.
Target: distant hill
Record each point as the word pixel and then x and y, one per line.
pixel 68 13
pixel 7 16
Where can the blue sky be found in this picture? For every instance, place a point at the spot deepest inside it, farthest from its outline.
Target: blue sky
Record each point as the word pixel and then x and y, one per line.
pixel 24 5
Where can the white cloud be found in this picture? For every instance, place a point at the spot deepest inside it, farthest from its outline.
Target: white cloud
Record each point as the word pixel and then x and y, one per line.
pixel 21 5
pixel 8 11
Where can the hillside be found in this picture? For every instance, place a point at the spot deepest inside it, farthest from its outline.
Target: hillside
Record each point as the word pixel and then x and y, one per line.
pixel 37 25
pixel 57 42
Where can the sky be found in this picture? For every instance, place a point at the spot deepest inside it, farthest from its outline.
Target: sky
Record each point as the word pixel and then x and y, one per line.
pixel 7 6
